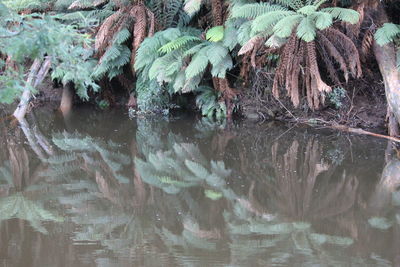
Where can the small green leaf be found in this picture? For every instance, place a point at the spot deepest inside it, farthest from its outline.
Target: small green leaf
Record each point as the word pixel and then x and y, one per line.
pixel 213 194
pixel 215 34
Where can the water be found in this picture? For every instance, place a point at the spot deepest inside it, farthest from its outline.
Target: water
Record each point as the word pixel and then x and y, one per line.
pixel 99 189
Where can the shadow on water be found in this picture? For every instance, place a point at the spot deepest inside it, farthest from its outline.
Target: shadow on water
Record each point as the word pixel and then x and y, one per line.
pixel 100 189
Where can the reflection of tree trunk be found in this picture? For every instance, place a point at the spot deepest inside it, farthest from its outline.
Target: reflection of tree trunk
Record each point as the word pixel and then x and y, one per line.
pixel 389 182
pixel 41 140
pixel 220 142
pixel 31 139
pixel 38 143
pixel 19 162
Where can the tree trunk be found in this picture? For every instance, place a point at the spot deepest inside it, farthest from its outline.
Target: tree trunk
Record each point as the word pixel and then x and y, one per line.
pixel 36 76
pixel 386 58
pixel 22 108
pixel 66 99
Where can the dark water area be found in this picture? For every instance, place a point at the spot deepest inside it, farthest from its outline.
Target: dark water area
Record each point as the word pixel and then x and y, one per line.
pixel 100 189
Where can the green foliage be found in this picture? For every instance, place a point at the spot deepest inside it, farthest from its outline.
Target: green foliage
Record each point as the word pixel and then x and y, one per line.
pixel 103 104
pixel 115 58
pixel 282 18
pixel 35 36
pixel 19 5
pixel 213 194
pixel 207 101
pixel 215 34
pixel 336 97
pixel 389 33
pixel 177 44
pixel 176 60
pixel 192 6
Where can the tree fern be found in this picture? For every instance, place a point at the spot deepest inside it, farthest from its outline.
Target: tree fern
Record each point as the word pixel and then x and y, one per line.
pixel 285 16
pixel 278 23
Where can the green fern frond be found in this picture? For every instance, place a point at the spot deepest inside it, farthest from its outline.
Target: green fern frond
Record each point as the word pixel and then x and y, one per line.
pixel 177 43
pixel 285 26
pixel 222 67
pixel 252 11
pixel 306 30
pixel 215 34
pixel 307 10
pixel 345 14
pixel 219 70
pixel 192 6
pixel 244 32
pixel 122 36
pixel 230 37
pixel 293 4
pixel 323 20
pixel 267 21
pixel 389 32
pixel 216 53
pixel 198 64
pixel 195 49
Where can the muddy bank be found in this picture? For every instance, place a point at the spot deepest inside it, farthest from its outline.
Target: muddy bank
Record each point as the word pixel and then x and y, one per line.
pixel 362 104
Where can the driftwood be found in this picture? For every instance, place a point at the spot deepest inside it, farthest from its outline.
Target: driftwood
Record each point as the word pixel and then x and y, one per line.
pixel 361 131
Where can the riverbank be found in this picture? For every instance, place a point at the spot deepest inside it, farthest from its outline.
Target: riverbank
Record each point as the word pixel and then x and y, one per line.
pixel 362 107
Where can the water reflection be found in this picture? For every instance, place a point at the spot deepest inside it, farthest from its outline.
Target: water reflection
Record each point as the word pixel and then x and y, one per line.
pixel 190 192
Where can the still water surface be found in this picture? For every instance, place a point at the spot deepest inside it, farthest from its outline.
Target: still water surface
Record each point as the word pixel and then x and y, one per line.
pixel 99 189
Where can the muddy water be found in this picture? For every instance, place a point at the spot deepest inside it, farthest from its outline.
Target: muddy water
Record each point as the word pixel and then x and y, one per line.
pixel 99 189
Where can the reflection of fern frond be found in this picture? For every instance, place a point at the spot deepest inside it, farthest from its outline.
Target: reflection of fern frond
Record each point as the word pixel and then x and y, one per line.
pixel 17 206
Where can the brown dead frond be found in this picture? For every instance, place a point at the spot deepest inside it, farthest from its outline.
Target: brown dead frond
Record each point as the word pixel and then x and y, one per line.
pixel 332 51
pixel 136 17
pixel 300 63
pixel 367 41
pixel 228 93
pixel 299 57
pixel 217 12
pixel 251 45
pixel 347 47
